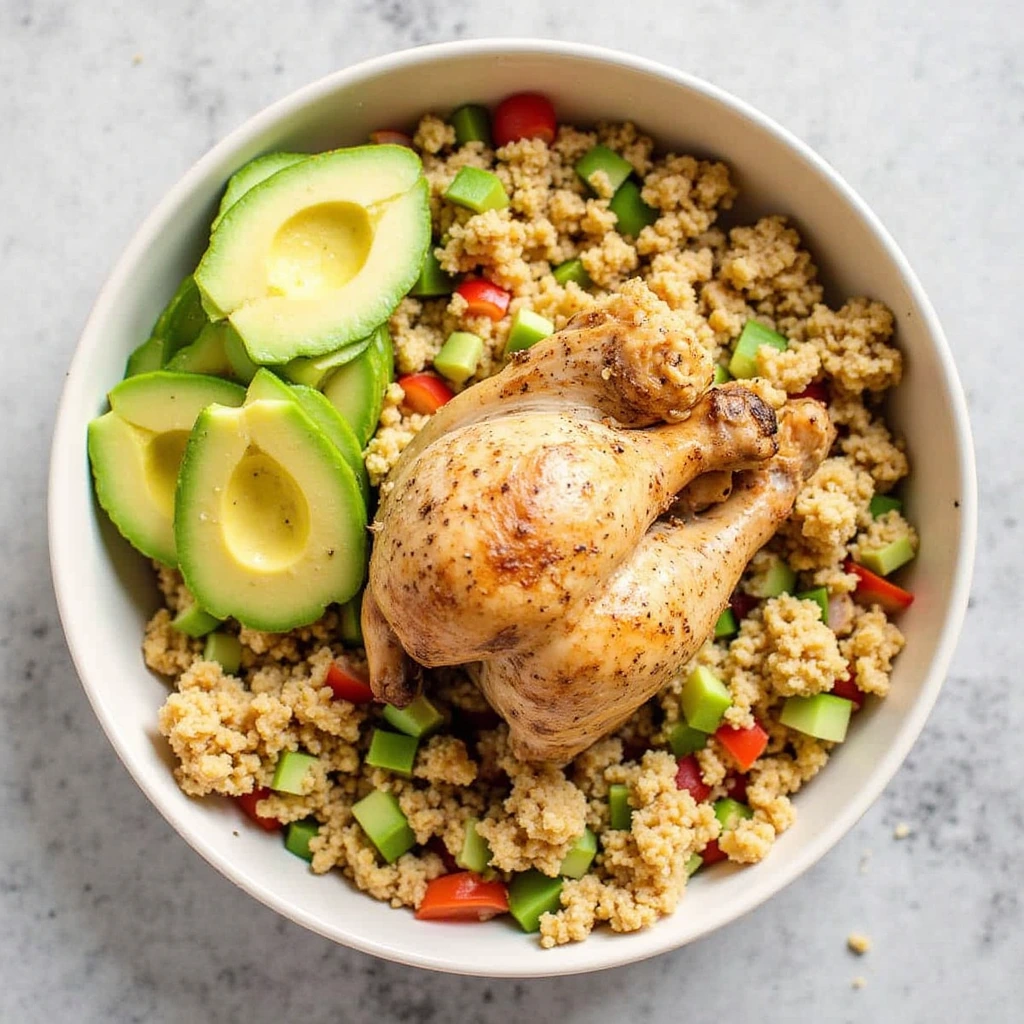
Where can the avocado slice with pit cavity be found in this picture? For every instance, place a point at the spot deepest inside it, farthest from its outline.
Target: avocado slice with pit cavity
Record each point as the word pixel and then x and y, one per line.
pixel 250 175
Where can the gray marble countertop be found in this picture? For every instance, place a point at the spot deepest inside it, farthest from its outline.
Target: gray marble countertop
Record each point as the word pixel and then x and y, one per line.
pixel 106 915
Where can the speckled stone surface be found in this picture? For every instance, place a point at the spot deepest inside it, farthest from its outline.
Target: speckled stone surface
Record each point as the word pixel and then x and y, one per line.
pixel 105 915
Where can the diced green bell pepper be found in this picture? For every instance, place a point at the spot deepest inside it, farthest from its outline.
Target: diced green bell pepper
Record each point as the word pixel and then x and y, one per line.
pixel 601 158
pixel 419 719
pixel 531 894
pixel 823 716
pixel 477 190
pixel 704 699
pixel 384 824
pixel 291 772
pixel 889 558
pixel 459 356
pixel 631 212
pixel 393 751
pixel 225 649
pixel 744 357
pixel 297 837
pixel 580 856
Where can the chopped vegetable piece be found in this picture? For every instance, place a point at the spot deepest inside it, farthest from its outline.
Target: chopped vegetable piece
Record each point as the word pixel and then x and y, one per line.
pixel 730 813
pixel 818 390
pixel 688 777
pixel 620 814
pixel 531 894
pixel 631 212
pixel 712 853
pixel 744 356
pixel 823 716
pixel 693 863
pixel 433 281
pixel 462 896
pixel 683 740
pixel 292 770
pixel 580 856
pixel 298 835
pixel 616 168
pixel 848 690
pixel 572 270
pixel 722 375
pixel 459 356
pixel 350 626
pixel 387 137
pixel 889 558
pixel 425 393
pixel 746 745
pixel 525 115
pixel 248 802
pixel 419 719
pixel 872 589
pixel 882 503
pixel 778 579
pixel 484 298
pixel 704 699
pixel 195 621
pixel 736 787
pixel 819 595
pixel 475 854
pixel 726 625
pixel 225 649
pixel 477 190
pixel 527 329
pixel 313 371
pixel 742 604
pixel 472 123
pixel 393 751
pixel 347 686
pixel 384 824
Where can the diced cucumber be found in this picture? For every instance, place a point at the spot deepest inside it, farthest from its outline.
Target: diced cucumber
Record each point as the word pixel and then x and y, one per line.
pixel 225 649
pixel 730 813
pixel 779 579
pixel 459 356
pixel 685 740
pixel 577 861
pixel 620 814
pixel 882 503
pixel 357 389
pixel 297 837
pixel 313 371
pixel 631 212
pixel 704 699
pixel 527 329
pixel 419 718
pixel 693 862
pixel 350 627
pixel 393 751
pixel 472 123
pixel 819 595
pixel 195 621
pixel 531 894
pixel 572 270
pixel 601 158
pixel 475 854
pixel 744 357
pixel 726 624
pixel 823 716
pixel 722 376
pixel 889 558
pixel 291 771
pixel 433 281
pixel 384 824
pixel 477 190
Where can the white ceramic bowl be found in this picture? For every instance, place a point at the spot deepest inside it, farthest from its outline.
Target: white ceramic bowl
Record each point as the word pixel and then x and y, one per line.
pixel 105 591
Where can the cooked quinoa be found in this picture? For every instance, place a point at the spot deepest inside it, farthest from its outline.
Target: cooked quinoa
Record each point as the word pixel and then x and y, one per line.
pixel 227 732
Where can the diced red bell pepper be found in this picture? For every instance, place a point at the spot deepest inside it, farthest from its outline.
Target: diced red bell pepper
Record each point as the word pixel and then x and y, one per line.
pixel 688 777
pixel 436 845
pixel 462 896
pixel 736 787
pixel 387 137
pixel 484 298
pixel 742 604
pixel 425 393
pixel 347 686
pixel 848 690
pixel 746 745
pixel 526 115
pixel 248 802
pixel 818 390
pixel 712 853
pixel 874 589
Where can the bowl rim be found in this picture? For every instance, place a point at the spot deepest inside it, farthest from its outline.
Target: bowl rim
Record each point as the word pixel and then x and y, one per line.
pixel 67 433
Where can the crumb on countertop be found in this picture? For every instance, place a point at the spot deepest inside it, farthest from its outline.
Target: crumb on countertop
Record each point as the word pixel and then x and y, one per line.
pixel 858 943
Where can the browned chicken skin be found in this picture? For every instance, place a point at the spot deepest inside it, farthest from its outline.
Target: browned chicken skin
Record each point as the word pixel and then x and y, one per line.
pixel 523 533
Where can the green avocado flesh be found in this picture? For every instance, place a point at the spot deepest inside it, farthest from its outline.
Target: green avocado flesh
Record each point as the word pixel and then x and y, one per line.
pixel 357 389
pixel 269 523
pixel 252 174
pixel 317 255
pixel 136 449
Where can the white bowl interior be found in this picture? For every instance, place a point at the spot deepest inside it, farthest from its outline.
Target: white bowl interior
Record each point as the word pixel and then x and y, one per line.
pixel 105 591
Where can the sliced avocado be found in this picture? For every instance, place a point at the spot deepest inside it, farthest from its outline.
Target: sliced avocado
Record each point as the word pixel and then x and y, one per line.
pixel 136 448
pixel 207 354
pixel 250 175
pixel 269 523
pixel 357 389
pixel 149 356
pixel 182 318
pixel 242 367
pixel 313 371
pixel 319 254
pixel 266 386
